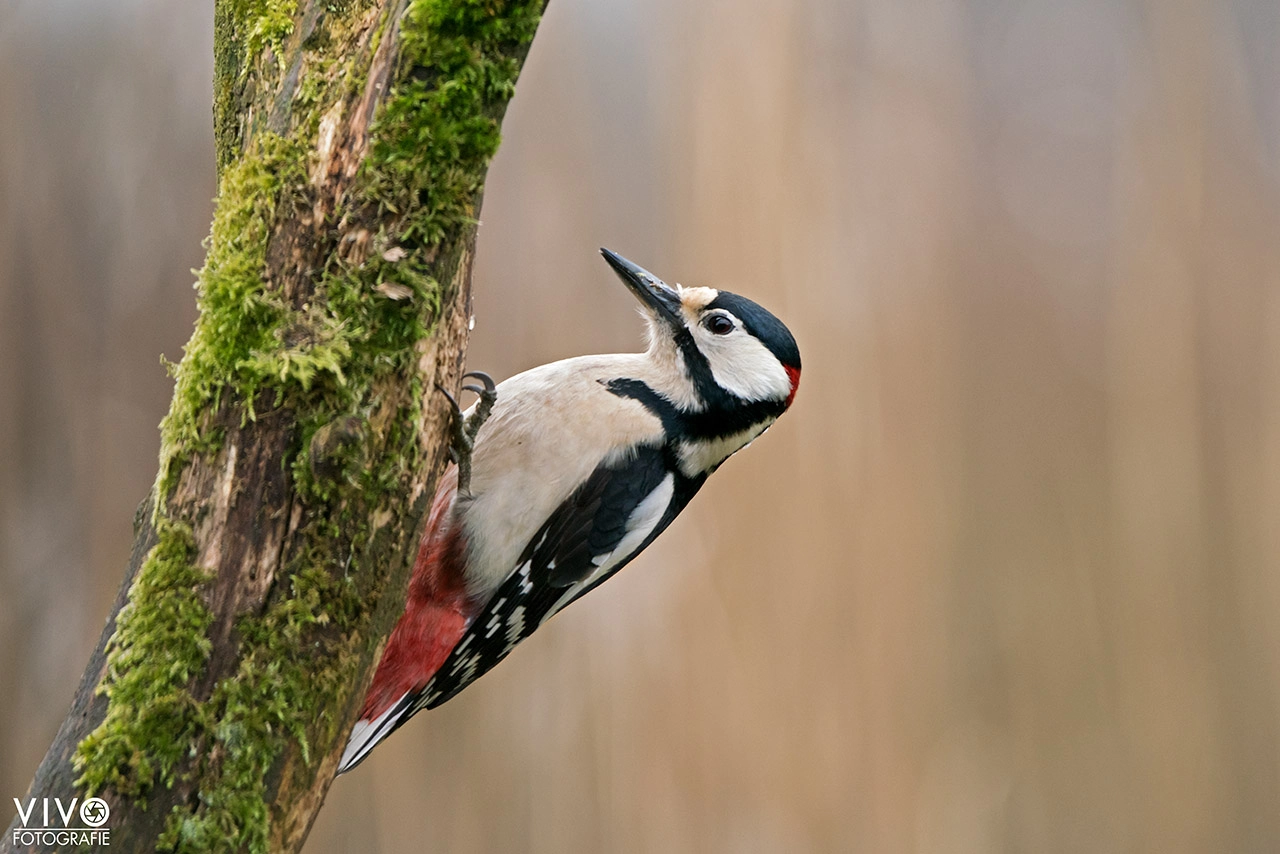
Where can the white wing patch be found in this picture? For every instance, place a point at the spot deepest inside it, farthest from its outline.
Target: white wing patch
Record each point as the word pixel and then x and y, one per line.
pixel 640 525
pixel 515 628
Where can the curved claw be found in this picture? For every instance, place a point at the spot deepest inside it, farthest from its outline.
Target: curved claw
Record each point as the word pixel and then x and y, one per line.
pixel 489 384
pixel 465 428
pixel 449 397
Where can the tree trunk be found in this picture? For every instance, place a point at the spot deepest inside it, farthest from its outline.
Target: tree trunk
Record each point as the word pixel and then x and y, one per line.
pixel 305 437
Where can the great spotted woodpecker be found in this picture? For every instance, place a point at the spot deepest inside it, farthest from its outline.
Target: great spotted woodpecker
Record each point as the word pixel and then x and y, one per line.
pixel 579 465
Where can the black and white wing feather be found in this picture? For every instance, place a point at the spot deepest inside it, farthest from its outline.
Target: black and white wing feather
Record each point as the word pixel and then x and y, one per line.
pixel 609 519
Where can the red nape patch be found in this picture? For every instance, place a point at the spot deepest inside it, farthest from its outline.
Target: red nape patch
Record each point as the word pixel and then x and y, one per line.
pixel 793 374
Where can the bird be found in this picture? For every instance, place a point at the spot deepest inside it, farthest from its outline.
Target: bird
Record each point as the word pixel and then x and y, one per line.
pixel 565 473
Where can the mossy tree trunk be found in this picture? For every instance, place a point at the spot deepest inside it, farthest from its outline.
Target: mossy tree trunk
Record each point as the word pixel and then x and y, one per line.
pixel 304 439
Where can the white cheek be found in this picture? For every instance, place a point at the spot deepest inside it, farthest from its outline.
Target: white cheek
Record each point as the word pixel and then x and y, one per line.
pixel 745 367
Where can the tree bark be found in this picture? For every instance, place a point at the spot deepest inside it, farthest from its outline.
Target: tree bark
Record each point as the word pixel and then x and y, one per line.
pixel 305 437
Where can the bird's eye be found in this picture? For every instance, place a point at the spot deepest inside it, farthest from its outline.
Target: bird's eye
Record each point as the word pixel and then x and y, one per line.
pixel 718 324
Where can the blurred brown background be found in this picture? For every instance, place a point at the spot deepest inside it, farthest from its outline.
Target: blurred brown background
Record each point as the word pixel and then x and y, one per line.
pixel 1007 578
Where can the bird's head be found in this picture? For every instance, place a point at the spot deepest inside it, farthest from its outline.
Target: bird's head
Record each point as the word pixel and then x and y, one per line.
pixel 731 350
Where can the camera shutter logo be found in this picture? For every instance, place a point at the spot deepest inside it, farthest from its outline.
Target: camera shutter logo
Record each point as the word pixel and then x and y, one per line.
pixel 94 812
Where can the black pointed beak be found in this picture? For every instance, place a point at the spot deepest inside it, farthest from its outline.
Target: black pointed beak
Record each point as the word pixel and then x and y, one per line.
pixel 657 295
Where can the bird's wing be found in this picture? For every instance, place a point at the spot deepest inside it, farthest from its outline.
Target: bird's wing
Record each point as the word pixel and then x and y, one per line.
pixel 614 514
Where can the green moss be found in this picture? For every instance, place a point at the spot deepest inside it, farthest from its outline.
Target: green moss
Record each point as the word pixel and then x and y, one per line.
pixel 153 722
pixel 264 23
pixel 160 645
pixel 314 345
pixel 242 31
pixel 241 320
pixel 277 694
pixel 441 125
pixel 228 60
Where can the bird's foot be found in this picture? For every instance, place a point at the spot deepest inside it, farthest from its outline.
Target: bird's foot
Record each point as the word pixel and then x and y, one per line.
pixel 465 428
